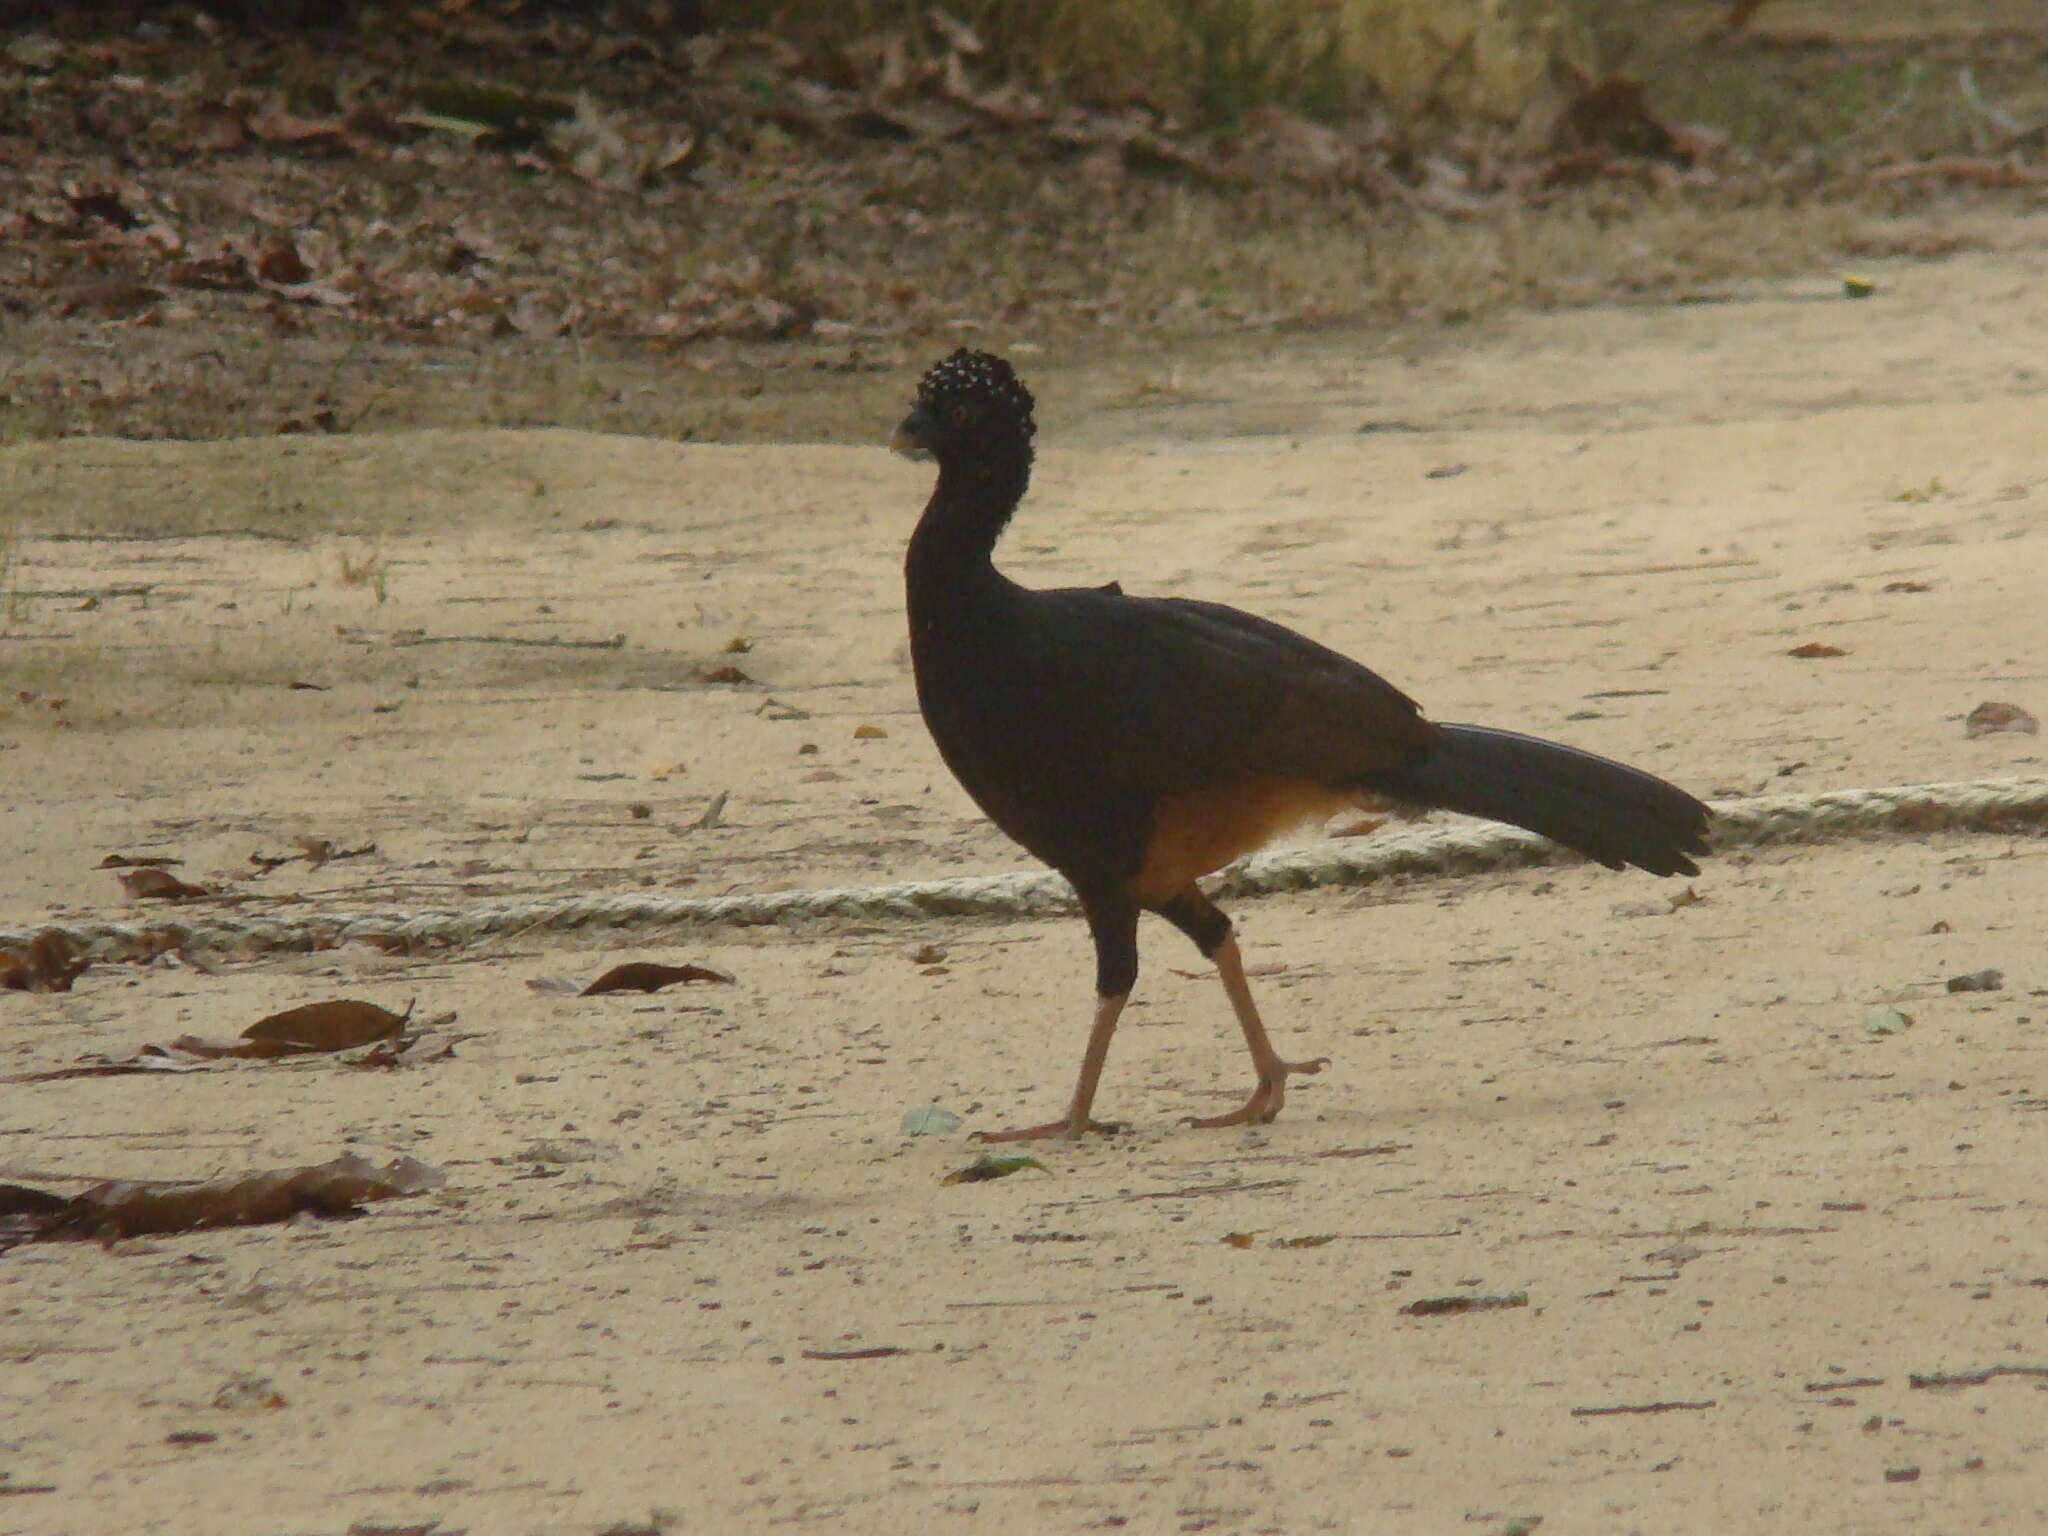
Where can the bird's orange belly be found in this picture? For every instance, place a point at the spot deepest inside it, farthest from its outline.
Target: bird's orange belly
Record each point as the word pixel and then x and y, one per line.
pixel 1197 831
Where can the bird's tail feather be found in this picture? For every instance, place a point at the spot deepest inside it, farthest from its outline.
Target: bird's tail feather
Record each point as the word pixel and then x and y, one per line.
pixel 1613 814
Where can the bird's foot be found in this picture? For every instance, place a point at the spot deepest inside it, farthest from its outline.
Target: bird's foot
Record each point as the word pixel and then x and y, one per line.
pixel 1072 1127
pixel 1266 1100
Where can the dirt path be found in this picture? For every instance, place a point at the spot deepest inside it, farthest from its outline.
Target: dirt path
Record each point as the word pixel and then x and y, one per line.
pixel 667 1216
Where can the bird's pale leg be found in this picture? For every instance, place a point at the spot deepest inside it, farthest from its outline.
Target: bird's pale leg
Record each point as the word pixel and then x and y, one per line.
pixel 1271 1092
pixel 1077 1122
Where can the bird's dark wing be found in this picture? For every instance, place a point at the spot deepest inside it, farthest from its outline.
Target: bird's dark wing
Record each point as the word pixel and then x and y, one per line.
pixel 1163 693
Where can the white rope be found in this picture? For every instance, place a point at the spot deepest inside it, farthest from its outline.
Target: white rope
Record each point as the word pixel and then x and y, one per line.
pixel 1467 847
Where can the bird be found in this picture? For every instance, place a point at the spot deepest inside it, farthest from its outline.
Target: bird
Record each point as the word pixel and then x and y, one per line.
pixel 1136 744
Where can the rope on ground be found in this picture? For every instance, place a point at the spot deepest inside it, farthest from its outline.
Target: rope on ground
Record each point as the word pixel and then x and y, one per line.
pixel 1465 847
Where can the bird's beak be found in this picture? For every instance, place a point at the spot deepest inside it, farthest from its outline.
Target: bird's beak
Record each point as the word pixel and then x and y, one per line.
pixel 912 437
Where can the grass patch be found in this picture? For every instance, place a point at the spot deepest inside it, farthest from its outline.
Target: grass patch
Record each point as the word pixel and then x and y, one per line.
pixel 1212 61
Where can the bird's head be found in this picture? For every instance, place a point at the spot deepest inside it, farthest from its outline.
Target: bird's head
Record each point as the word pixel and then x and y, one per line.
pixel 970 406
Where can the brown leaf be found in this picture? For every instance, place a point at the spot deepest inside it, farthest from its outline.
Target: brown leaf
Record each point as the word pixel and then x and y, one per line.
pixel 107 301
pixel 227 272
pixel 725 673
pixel 1613 114
pixel 650 976
pixel 153 884
pixel 135 861
pixel 281 263
pixel 336 1026
pixel 868 733
pixel 1906 586
pixel 213 127
pixel 122 1208
pixel 1452 1306
pixel 316 133
pixel 1813 650
pixel 48 966
pixel 1991 717
pixel 1238 1239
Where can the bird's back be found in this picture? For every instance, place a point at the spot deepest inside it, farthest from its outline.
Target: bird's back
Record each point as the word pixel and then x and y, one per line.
pixel 1071 714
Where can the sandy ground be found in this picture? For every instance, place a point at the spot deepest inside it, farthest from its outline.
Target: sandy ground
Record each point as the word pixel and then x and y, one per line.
pixel 1724 1199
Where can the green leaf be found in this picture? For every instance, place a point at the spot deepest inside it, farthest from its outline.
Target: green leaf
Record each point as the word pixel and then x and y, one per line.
pixel 994 1165
pixel 929 1120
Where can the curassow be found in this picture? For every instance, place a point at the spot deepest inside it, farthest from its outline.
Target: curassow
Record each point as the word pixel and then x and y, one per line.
pixel 1135 744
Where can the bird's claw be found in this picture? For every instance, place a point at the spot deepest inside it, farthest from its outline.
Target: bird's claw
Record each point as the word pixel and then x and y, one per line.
pixel 1267 1099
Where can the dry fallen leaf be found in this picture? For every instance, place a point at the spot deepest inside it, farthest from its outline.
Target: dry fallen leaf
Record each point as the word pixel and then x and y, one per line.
pixel 868 733
pixel 1451 1306
pixel 1990 718
pixel 123 1208
pixel 49 966
pixel 1814 650
pixel 153 884
pixel 650 976
pixel 336 1026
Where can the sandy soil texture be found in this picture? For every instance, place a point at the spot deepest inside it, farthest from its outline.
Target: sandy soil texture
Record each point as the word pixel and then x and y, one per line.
pixel 688 1274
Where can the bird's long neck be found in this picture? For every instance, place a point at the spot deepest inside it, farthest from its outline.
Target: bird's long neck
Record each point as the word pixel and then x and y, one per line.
pixel 951 551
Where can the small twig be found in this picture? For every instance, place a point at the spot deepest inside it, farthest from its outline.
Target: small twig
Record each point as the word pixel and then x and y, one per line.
pixel 57 592
pixel 879 1352
pixel 163 537
pixel 1938 1379
pixel 550 642
pixel 1661 1407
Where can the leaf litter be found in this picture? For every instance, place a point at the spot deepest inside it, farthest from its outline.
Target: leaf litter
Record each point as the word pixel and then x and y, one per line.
pixel 116 1208
pixel 52 964
pixel 152 883
pixel 327 1028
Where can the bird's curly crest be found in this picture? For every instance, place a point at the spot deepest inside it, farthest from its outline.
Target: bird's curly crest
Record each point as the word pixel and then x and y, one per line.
pixel 981 377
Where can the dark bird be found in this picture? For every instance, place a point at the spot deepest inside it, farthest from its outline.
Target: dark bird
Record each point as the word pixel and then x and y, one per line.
pixel 1136 744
